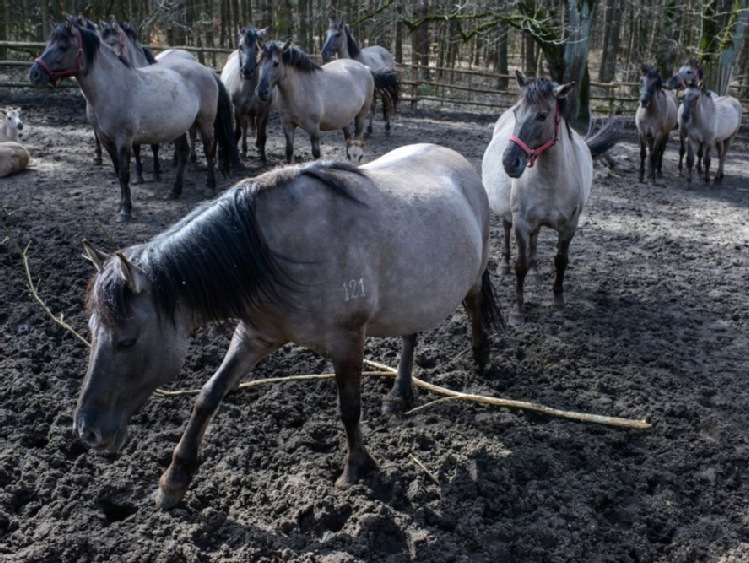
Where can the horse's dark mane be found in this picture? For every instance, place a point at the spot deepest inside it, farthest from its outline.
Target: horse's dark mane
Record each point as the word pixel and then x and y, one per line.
pixel 292 56
pixel 538 90
pixel 353 48
pixel 216 260
pixel 652 73
pixel 696 64
pixel 89 40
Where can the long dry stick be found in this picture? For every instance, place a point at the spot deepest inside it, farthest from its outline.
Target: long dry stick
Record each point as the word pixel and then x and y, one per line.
pixel 383 370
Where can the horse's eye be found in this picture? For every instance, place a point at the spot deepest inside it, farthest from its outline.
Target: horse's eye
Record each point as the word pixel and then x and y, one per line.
pixel 541 116
pixel 275 63
pixel 126 344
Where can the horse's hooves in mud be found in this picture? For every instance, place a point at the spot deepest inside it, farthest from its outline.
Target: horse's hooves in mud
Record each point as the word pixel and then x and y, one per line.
pixel 504 269
pixel 392 405
pixel 98 161
pixel 172 195
pixel 138 181
pixel 516 319
pixel 123 217
pixel 352 470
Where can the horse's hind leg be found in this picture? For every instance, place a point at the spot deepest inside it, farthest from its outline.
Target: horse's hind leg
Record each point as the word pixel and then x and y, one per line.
pixel 261 135
pixel 123 154
pixel 722 147
pixel 97 149
pixel 401 395
pixel 245 350
pixel 506 254
pixel 560 264
pixel 706 160
pixel 193 142
pixel 681 154
pixel 181 152
pixel 138 165
pixel 348 362
pixel 372 108
pixel 156 163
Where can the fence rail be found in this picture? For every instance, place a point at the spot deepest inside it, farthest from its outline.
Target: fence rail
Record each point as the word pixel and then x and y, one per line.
pixel 468 87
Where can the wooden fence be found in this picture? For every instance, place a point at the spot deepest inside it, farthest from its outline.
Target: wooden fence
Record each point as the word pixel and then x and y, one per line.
pixel 446 88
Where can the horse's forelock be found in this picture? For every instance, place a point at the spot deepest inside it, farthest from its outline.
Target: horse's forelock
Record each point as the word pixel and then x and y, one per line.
pixel 106 295
pixel 541 90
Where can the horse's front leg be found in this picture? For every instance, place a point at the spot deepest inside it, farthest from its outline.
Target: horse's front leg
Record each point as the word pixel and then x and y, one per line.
pixel 401 394
pixel 209 146
pixel 706 160
pixel 261 134
pixel 372 108
pixel 560 265
pixel 288 132
pixel 314 139
pixel 682 149
pixel 348 358
pixel 722 147
pixel 245 350
pixel 521 270
pixel 97 149
pixel 690 162
pixel 123 154
pixel 181 152
pixel 643 155
pixel 193 142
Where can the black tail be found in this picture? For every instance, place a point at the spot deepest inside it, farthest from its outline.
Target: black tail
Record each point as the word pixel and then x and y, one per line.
pixel 149 55
pixel 611 133
pixel 491 314
pixel 387 86
pixel 223 131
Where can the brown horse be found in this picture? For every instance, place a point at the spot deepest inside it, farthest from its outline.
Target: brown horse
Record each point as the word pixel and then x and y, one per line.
pixel 323 255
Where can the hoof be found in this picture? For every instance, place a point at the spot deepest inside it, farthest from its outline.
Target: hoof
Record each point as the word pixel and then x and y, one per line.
pixel 138 181
pixel 156 177
pixel 559 302
pixel 353 469
pixel 392 405
pixel 123 217
pixel 516 319
pixel 172 195
pixel 505 270
pixel 98 161
pixel 168 499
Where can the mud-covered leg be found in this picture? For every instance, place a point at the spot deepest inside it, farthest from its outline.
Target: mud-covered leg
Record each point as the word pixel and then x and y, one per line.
pixel 505 270
pixel 314 140
pixel 643 155
pixel 682 149
pixel 123 154
pixel 209 146
pixel 97 149
pixel 690 162
pixel 288 132
pixel 371 118
pixel 138 165
pixel 156 163
pixel 193 142
pixel 653 161
pixel 560 264
pixel 474 304
pixel 706 160
pixel 245 350
pixel 533 253
pixel 181 152
pixel 347 362
pixel 722 150
pixel 261 135
pixel 521 270
pixel 401 395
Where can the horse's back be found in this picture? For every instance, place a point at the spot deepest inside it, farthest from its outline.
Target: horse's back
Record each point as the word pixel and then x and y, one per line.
pixel 497 183
pixel 728 113
pixel 396 260
pixel 377 58
pixel 345 90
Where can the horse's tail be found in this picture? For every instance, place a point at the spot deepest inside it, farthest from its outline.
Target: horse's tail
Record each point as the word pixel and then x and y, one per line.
pixel 223 131
pixel 611 133
pixel 387 86
pixel 491 314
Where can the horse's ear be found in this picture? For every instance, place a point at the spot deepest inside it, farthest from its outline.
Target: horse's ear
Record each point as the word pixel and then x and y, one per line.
pixel 96 256
pixel 134 277
pixel 260 37
pixel 522 80
pixel 287 44
pixel 102 24
pixel 563 90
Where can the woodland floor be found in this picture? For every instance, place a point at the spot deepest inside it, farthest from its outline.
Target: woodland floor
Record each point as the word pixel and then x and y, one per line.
pixel 656 325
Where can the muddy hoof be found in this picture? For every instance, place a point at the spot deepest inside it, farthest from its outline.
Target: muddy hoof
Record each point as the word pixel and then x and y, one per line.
pixel 172 195
pixel 516 319
pixel 123 217
pixel 352 470
pixel 394 405
pixel 98 161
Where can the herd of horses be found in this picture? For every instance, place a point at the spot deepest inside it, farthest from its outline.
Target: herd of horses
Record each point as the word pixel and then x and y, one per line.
pixel 325 253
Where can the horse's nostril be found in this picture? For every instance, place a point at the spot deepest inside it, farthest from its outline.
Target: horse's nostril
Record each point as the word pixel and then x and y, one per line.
pixel 20 126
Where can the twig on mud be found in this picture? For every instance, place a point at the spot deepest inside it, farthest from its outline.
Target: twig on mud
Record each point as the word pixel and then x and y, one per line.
pixel 425 470
pixel 382 370
pixel 430 404
pixel 35 295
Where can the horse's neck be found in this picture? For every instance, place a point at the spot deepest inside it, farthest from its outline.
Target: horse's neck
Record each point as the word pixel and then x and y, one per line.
pixel 104 81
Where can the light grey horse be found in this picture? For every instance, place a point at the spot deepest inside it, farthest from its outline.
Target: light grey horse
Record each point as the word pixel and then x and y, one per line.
pixel 315 98
pixel 323 255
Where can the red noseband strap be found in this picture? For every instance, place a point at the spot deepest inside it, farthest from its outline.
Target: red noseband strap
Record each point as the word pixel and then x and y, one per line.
pixel 533 154
pixel 54 75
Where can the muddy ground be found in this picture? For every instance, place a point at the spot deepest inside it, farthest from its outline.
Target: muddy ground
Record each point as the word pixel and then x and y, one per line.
pixel 657 325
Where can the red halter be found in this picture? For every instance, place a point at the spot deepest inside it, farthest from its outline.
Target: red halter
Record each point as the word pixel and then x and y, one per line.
pixel 533 154
pixel 682 82
pixel 123 44
pixel 65 73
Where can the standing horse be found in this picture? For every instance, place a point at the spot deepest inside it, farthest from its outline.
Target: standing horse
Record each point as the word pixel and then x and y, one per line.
pixel 312 97
pixel 152 104
pixel 123 41
pixel 339 40
pixel 655 119
pixel 322 254
pixel 708 122
pixel 240 77
pixel 547 185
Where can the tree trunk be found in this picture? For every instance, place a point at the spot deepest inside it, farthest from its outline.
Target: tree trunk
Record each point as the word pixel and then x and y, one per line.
pixel 731 47
pixel 581 16
pixel 502 58
pixel 612 26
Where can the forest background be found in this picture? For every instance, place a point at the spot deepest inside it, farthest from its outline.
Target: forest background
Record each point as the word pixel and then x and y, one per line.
pixel 462 52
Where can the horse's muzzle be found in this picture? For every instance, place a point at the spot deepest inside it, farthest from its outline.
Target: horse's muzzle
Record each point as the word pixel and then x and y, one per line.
pixel 38 77
pixel 263 94
pixel 94 437
pixel 514 161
